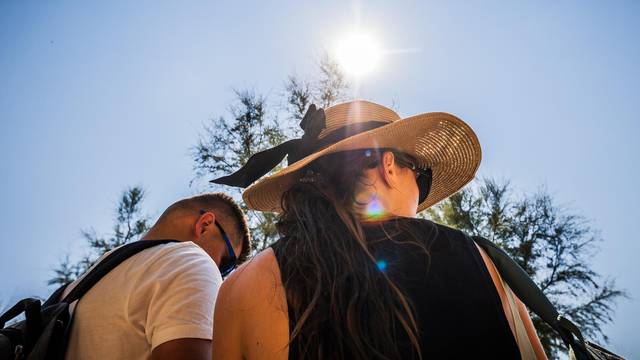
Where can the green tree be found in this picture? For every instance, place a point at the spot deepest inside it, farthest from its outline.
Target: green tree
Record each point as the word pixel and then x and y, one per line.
pixel 331 86
pixel 253 125
pixel 227 144
pixel 130 224
pixel 552 244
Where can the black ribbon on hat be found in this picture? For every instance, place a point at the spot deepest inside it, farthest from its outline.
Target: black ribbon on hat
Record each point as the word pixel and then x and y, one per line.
pixel 312 124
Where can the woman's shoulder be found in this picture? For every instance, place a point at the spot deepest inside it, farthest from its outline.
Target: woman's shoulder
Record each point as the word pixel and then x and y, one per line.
pixel 251 310
pixel 260 277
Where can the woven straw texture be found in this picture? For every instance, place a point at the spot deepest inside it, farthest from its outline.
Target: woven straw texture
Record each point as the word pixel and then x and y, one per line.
pixel 437 140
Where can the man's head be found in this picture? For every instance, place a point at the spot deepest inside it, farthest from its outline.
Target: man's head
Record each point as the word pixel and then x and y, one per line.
pixel 200 219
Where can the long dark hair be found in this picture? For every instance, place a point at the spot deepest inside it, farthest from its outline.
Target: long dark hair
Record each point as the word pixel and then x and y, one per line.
pixel 341 304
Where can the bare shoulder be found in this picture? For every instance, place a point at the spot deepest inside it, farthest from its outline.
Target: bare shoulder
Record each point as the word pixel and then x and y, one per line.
pixel 252 311
pixel 259 277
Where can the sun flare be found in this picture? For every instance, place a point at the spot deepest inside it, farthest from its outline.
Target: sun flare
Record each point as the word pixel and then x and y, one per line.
pixel 358 53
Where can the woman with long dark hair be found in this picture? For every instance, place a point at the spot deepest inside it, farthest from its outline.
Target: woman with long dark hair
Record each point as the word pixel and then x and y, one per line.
pixel 355 275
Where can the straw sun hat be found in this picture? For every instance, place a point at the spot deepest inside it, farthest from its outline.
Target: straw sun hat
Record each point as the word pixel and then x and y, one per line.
pixel 437 140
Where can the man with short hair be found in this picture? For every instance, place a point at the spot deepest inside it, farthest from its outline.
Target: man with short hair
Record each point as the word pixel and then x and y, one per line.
pixel 159 303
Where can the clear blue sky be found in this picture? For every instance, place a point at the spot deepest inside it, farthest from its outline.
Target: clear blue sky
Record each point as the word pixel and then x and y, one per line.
pixel 96 97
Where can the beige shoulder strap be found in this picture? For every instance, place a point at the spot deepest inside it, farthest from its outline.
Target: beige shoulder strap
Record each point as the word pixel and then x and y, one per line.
pixel 522 339
pixel 524 343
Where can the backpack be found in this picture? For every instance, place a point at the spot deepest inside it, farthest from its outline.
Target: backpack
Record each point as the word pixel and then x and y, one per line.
pixel 46 328
pixel 537 302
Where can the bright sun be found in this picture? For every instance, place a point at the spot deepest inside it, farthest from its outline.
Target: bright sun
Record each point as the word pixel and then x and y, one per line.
pixel 358 54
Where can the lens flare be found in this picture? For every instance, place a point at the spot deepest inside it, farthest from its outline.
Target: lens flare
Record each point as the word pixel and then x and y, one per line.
pixel 382 265
pixel 374 210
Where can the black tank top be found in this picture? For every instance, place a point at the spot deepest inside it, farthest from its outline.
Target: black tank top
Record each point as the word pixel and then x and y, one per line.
pixel 456 305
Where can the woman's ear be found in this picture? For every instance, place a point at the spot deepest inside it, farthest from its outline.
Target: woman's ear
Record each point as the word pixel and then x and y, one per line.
pixel 389 172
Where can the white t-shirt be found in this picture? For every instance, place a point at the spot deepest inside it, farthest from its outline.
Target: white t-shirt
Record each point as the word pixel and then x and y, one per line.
pixel 163 293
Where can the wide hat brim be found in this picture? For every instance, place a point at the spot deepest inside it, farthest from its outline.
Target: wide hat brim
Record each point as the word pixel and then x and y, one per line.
pixel 437 140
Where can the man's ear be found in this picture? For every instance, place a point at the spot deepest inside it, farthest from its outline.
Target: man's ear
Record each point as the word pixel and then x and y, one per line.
pixel 204 223
pixel 389 172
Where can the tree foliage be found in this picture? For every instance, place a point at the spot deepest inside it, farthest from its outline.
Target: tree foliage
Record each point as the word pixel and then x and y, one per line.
pixel 130 223
pixel 552 244
pixel 226 143
pixel 254 125
pixel 331 86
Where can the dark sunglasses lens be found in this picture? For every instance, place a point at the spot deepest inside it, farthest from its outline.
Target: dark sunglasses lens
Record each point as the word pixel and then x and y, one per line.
pixel 424 185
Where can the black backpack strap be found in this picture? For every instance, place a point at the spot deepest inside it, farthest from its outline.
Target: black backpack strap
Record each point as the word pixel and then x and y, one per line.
pixel 31 308
pixel 529 293
pixel 519 282
pixel 537 301
pixel 56 296
pixel 109 263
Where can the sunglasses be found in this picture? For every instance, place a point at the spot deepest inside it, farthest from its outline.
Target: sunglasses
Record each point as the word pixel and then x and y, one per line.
pixel 226 267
